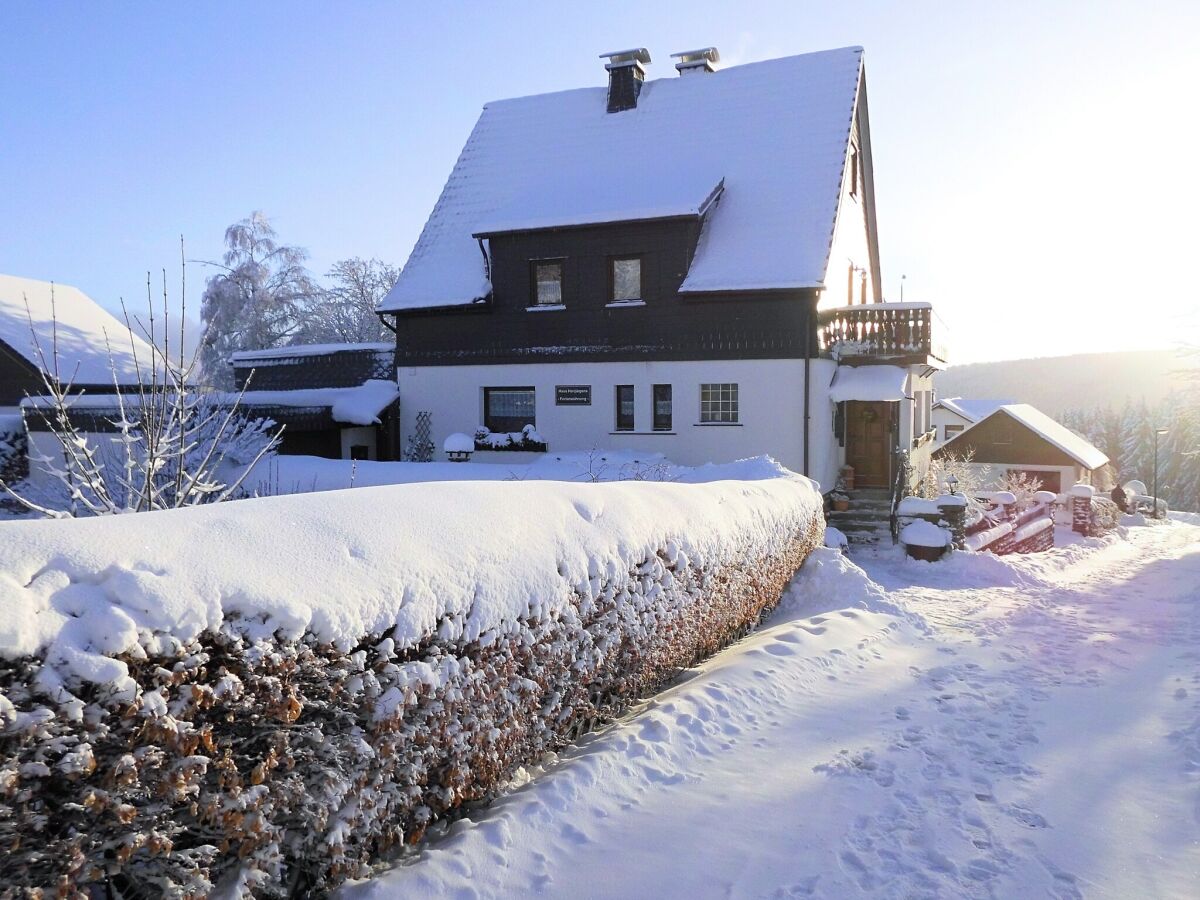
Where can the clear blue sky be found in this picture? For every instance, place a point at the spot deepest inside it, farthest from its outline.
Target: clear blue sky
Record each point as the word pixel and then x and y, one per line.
pixel 1034 161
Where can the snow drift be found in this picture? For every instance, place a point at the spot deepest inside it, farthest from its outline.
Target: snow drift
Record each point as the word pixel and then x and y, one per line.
pixel 267 693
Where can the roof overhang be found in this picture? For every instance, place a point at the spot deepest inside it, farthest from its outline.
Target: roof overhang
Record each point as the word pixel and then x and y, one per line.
pixel 877 383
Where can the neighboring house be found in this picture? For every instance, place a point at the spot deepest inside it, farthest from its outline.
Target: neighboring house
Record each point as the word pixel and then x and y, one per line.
pixel 92 344
pixel 333 400
pixel 953 415
pixel 1019 438
pixel 682 266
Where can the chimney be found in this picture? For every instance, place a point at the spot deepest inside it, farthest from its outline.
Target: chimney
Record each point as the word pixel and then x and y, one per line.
pixel 703 60
pixel 626 73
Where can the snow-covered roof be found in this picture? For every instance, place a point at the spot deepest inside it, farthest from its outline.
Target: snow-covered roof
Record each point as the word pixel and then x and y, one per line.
pixel 971 409
pixel 83 355
pixel 245 356
pixel 868 383
pixel 776 132
pixel 632 194
pixel 359 405
pixel 1079 449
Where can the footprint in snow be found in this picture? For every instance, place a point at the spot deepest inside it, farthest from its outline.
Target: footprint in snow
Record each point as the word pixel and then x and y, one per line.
pixel 1027 817
pixel 654 730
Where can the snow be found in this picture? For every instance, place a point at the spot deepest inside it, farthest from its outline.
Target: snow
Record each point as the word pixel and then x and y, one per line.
pixel 917 506
pixel 297 474
pixel 835 539
pixel 304 350
pixel 359 405
pixel 972 409
pixel 1024 726
pixel 459 443
pixel 1083 490
pixel 82 327
pixel 346 564
pixel 868 383
pixel 633 194
pixel 775 131
pixel 924 534
pixel 1076 447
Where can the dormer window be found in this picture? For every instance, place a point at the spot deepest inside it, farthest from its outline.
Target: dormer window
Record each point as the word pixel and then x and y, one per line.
pixel 625 279
pixel 547 282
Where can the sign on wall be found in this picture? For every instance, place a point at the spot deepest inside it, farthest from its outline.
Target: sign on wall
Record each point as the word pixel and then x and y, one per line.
pixel 572 395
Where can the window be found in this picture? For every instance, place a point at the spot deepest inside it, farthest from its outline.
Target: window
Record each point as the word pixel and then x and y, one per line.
pixel 853 171
pixel 662 407
pixel 360 451
pixel 719 403
pixel 625 278
pixel 547 282
pixel 951 431
pixel 508 409
pixel 624 407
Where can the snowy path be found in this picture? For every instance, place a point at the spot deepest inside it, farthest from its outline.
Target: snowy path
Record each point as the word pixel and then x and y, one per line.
pixel 980 727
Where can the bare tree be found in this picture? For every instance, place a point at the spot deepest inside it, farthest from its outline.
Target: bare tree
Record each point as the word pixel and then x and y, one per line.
pixel 170 445
pixel 346 312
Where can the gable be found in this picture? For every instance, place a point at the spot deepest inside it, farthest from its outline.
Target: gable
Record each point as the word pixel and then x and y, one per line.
pixel 775 132
pixel 1012 435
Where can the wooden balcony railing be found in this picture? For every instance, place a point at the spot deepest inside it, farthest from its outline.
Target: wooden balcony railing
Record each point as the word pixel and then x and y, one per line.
pixel 883 331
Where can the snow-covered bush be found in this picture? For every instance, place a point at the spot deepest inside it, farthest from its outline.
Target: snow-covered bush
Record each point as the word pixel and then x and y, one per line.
pixel 1022 486
pixel 14 450
pixel 174 720
pixel 526 439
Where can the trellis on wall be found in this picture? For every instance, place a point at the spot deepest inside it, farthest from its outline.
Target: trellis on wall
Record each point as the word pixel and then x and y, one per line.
pixel 420 443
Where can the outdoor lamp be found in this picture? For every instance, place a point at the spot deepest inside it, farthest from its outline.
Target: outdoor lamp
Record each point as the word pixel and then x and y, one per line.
pixel 952 483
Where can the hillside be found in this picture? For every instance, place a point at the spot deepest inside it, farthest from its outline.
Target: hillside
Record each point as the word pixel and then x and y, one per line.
pixel 1056 383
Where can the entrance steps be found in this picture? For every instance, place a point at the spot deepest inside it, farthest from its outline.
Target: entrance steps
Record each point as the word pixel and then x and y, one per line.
pixel 866 522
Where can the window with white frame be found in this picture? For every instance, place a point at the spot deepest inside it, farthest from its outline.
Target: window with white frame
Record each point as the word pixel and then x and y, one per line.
pixel 547 282
pixel 625 278
pixel 719 404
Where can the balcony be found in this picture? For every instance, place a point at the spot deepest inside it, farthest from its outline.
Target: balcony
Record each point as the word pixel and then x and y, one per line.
pixel 891 333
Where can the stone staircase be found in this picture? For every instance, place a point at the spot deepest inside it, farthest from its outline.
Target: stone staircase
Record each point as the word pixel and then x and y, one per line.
pixel 865 523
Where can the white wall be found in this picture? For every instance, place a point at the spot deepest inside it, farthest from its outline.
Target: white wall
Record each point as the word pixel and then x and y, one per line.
pixel 770 396
pixel 359 435
pixel 943 417
pixel 849 247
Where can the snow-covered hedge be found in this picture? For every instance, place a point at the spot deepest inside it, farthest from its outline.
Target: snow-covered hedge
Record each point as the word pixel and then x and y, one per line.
pixel 267 694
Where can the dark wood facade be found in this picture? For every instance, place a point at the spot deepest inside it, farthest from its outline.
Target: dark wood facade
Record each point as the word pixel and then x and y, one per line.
pixel 668 326
pixel 1002 440
pixel 18 377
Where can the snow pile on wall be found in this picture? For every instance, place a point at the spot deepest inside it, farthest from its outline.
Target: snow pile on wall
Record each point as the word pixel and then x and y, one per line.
pixel 277 689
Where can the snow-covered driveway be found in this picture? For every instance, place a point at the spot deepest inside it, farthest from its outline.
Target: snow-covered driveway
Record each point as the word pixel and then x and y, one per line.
pixel 978 727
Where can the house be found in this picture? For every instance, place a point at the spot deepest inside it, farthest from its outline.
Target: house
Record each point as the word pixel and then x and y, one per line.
pixel 954 414
pixel 92 346
pixel 332 400
pixel 1019 438
pixel 56 333
pixel 687 265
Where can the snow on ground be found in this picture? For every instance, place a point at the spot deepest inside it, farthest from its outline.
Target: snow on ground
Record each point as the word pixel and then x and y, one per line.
pixel 1026 726
pixel 303 474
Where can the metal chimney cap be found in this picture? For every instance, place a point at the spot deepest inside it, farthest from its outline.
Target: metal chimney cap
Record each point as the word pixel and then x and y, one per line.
pixel 708 53
pixel 638 55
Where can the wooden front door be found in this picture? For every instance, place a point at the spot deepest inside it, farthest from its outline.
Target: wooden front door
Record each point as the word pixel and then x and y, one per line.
pixel 869 442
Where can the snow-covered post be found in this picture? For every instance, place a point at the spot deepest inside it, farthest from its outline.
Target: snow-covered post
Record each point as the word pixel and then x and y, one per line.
pixel 953 508
pixel 1081 508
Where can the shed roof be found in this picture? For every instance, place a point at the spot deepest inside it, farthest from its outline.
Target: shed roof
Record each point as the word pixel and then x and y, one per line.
pixel 1078 448
pixel 776 132
pixel 82 326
